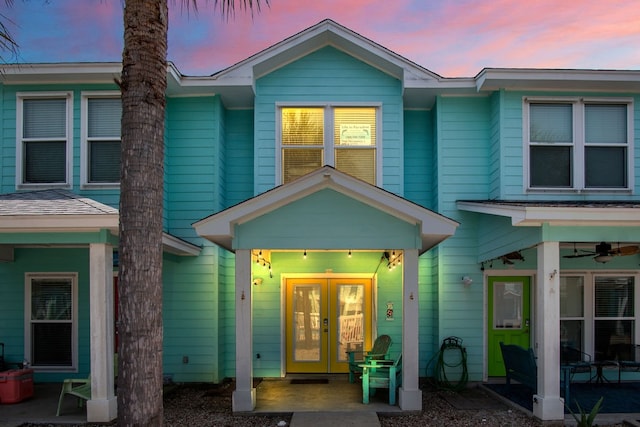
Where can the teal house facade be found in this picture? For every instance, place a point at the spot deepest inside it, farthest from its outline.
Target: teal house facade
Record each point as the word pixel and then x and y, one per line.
pixel 321 193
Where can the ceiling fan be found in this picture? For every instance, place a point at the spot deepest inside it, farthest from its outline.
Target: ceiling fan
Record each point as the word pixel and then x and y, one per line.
pixel 604 252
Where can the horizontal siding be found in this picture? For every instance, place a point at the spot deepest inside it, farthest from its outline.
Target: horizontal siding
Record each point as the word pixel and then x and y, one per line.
pixel 463 141
pixel 194 164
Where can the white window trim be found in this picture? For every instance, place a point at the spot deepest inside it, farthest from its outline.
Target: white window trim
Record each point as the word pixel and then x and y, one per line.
pixel 589 280
pixel 84 138
pixel 74 320
pixel 328 146
pixel 578 143
pixel 20 97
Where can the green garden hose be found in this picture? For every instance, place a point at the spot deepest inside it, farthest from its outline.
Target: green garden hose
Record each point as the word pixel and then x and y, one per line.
pixel 452 363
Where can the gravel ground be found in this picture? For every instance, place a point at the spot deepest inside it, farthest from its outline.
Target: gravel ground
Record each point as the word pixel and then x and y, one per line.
pixel 207 405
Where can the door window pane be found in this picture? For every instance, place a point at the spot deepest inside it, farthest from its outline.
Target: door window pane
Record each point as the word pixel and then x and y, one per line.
pixel 306 333
pixel 507 305
pixel 350 320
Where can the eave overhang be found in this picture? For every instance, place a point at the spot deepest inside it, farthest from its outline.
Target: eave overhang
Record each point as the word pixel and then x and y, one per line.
pixel 535 214
pixel 219 228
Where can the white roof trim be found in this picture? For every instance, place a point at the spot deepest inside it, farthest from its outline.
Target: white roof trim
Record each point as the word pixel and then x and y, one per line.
pixel 177 246
pixel 219 228
pixel 58 223
pixel 535 216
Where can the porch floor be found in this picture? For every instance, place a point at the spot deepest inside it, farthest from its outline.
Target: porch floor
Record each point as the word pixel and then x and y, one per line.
pixel 276 395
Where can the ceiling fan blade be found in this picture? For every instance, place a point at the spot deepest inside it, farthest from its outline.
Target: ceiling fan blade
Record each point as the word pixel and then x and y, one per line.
pixel 582 255
pixel 625 250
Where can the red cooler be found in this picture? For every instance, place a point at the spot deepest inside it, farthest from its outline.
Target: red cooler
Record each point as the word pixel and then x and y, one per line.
pixel 16 385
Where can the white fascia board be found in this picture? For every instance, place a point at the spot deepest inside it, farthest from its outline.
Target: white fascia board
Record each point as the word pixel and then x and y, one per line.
pixel 557 79
pixel 176 246
pixel 104 72
pixel 535 216
pixel 45 223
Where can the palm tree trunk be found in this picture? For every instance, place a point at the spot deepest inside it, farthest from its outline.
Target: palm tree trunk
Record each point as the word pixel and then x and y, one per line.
pixel 144 81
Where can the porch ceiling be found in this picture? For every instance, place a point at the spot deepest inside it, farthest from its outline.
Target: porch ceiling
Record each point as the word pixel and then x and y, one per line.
pixel 430 228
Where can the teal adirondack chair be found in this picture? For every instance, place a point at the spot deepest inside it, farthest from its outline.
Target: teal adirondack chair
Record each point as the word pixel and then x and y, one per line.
pixel 381 374
pixel 379 351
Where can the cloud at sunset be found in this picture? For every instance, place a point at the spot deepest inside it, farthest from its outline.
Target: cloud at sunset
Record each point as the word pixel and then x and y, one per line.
pixel 450 38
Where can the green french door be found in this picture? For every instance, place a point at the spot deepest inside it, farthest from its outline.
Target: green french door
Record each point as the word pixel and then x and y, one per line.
pixel 509 317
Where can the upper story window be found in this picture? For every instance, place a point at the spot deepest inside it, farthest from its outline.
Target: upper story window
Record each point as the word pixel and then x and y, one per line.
pixel 44 138
pixel 100 149
pixel 578 144
pixel 344 137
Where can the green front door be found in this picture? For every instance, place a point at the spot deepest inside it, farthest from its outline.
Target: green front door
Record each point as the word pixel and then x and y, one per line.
pixel 509 317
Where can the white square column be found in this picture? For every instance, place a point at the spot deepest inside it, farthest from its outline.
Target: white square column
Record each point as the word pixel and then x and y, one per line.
pixel 102 408
pixel 410 395
pixel 244 396
pixel 547 404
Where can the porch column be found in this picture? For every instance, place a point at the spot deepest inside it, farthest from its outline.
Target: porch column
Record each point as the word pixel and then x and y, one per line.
pixel 410 395
pixel 102 408
pixel 244 396
pixel 547 404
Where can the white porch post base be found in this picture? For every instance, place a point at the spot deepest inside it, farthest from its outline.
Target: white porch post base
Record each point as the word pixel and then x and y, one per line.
pixel 102 410
pixel 243 400
pixel 410 400
pixel 548 408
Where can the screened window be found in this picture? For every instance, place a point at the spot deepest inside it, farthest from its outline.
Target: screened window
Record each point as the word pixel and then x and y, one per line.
pixel 578 144
pixel 614 315
pixel 51 316
pixel 101 139
pixel 572 312
pixel 44 138
pixel 597 314
pixel 343 137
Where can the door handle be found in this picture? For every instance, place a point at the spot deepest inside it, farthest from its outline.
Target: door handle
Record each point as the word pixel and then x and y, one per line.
pixel 325 324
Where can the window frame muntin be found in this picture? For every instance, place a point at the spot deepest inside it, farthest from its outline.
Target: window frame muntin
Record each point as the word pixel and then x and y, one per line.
pixel 579 144
pixel 73 277
pixel 84 138
pixel 328 147
pixel 20 140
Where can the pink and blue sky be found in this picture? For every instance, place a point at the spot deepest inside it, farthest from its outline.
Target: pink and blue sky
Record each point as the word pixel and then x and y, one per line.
pixel 453 38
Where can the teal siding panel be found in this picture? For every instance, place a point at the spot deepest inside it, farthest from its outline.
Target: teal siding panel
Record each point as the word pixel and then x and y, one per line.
pixel 418 161
pixel 239 156
pixel 463 154
pixel 195 163
pixel 328 76
pixel 190 318
pixel 326 219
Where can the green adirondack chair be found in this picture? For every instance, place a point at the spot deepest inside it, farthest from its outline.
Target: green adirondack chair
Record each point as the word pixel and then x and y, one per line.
pixel 379 351
pixel 381 374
